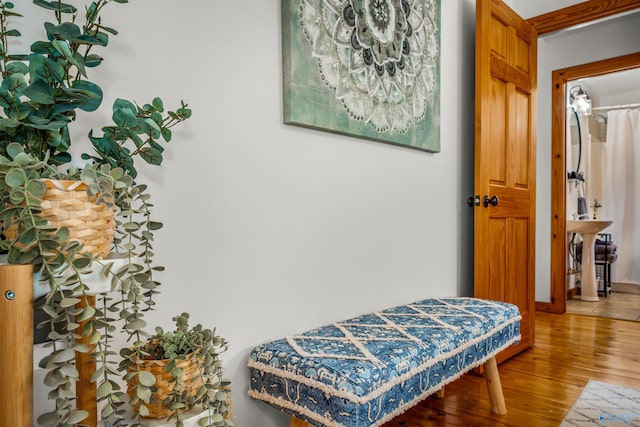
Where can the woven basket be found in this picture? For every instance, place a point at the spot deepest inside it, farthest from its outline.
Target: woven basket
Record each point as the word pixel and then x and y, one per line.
pixel 190 377
pixel 67 204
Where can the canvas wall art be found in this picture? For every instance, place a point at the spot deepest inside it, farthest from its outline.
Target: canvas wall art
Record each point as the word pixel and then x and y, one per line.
pixel 364 68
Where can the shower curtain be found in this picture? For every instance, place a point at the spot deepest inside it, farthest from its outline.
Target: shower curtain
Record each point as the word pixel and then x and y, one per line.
pixel 621 196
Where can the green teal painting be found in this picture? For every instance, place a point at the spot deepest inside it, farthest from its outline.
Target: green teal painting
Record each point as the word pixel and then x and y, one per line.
pixel 364 68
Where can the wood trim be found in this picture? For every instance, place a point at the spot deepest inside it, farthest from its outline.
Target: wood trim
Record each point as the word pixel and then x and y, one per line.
pixel 544 307
pixel 573 292
pixel 580 13
pixel 561 19
pixel 558 165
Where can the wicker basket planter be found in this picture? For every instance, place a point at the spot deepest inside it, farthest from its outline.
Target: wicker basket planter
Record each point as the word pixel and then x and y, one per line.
pixel 160 401
pixel 67 204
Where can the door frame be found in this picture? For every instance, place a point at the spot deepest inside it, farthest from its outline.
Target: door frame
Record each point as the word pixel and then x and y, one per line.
pixel 559 165
pixel 558 20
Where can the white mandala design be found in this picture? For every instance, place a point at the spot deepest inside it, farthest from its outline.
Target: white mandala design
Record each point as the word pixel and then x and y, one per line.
pixel 380 57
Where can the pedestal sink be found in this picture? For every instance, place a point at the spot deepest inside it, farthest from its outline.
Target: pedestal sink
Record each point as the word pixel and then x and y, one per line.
pixel 588 229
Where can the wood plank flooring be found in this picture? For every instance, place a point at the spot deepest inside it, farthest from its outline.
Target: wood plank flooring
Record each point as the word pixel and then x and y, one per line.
pixel 541 384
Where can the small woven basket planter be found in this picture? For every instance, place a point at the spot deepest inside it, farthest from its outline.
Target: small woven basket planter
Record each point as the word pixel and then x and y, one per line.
pixel 67 204
pixel 191 378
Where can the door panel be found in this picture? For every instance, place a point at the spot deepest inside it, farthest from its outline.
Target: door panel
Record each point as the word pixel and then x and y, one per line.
pixel 504 241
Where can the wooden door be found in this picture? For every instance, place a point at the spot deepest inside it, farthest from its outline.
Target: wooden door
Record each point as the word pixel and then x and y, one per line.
pixel 505 152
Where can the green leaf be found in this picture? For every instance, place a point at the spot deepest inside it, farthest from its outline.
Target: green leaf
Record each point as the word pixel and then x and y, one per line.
pixel 151 155
pixel 87 313
pixel 143 393
pixel 106 411
pixel 93 95
pixel 39 92
pixel 151 125
pixel 136 324
pixel 62 46
pixel 69 371
pixel 15 82
pixel 64 355
pixel 15 178
pixel 17 67
pixel 60 158
pixel 69 302
pixel 36 188
pixel 82 262
pixel 123 104
pixel 184 113
pixel 76 416
pixel 16 196
pixel 55 70
pixel 142 409
pixel 49 419
pixel 89 176
pixel 9 123
pixel 28 237
pixel 14 149
pixel 12 33
pixel 131 226
pixel 92 60
pixel 166 134
pixel 146 378
pixel 154 225
pixel 62 235
pixel 142 277
pixel 67 30
pixel 109 29
pixel 9 213
pixel 124 113
pixel 42 47
pixel 53 5
pixel 158 105
pixel 88 40
pixel 104 389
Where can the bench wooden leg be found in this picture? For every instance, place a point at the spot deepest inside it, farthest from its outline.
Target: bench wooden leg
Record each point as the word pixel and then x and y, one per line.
pixel 297 422
pixel 491 375
pixel 440 393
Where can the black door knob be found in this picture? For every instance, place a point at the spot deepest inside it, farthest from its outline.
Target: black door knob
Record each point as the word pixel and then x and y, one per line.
pixel 473 201
pixel 493 201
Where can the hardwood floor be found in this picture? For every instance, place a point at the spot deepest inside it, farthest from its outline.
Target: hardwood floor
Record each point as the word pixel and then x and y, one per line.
pixel 542 383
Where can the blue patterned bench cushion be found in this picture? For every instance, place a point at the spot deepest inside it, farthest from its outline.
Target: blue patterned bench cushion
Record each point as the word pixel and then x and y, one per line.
pixel 365 371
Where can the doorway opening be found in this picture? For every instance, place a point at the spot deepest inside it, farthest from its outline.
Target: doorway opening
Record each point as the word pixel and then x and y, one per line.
pixel 559 241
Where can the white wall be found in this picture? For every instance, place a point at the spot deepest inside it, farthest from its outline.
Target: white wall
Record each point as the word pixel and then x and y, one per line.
pixel 272 229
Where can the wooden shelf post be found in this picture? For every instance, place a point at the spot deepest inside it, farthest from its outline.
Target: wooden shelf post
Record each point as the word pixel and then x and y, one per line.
pixel 86 365
pixel 16 345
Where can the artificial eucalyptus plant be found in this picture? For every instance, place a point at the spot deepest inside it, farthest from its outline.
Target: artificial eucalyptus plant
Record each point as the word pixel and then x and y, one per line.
pixel 190 355
pixel 63 264
pixel 41 93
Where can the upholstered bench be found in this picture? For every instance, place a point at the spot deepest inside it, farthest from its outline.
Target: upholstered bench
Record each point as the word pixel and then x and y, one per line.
pixel 367 370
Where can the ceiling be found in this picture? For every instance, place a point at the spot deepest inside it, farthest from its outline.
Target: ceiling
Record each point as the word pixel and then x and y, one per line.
pixel 529 8
pixel 605 89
